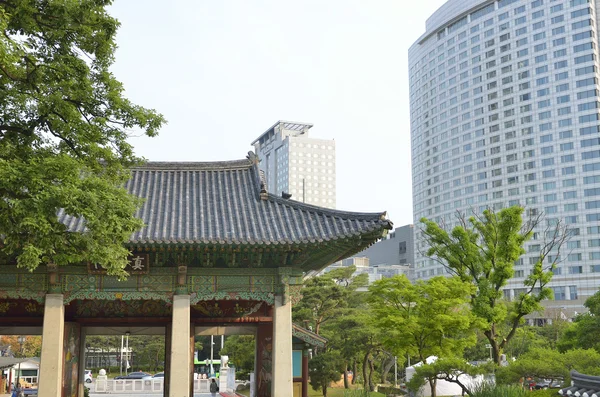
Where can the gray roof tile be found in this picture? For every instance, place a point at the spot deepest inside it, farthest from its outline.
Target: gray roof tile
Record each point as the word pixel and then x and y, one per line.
pixel 220 203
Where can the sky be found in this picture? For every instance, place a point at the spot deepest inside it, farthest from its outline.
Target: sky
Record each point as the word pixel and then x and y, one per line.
pixel 223 71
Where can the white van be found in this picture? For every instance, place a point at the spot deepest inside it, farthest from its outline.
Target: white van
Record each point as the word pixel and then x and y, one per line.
pixel 88 376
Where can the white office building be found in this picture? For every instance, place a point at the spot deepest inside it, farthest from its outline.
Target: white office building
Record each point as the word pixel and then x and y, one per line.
pixel 296 164
pixel 504 111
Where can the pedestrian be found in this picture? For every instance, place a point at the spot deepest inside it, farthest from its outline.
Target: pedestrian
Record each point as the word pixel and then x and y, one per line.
pixel 214 388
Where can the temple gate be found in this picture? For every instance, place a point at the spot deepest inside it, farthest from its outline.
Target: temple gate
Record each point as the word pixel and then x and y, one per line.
pixel 216 250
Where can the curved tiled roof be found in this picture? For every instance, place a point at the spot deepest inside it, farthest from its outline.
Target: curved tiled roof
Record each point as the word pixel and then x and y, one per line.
pixel 582 386
pixel 226 203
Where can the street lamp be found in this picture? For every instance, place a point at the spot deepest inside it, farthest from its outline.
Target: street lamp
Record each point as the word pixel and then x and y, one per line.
pixel 21 341
pixel 489 346
pixel 212 342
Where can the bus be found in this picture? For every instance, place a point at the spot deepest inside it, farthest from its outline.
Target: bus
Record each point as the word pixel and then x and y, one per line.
pixel 202 367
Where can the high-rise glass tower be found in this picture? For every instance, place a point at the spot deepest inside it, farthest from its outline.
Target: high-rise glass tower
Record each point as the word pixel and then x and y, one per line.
pixel 504 107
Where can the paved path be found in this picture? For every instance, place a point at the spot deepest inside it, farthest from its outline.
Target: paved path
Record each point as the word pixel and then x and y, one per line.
pixel 223 394
pixel 145 395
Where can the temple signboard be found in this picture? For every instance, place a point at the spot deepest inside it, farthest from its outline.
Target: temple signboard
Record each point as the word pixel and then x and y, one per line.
pixel 137 264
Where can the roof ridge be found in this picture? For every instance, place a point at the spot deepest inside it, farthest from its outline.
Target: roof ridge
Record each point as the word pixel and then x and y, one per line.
pixel 193 165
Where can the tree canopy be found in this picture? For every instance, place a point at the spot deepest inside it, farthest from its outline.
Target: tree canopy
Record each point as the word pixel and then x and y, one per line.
pixel 325 297
pixel 323 370
pixel 427 318
pixel 482 250
pixel 585 329
pixel 64 124
pixel 550 364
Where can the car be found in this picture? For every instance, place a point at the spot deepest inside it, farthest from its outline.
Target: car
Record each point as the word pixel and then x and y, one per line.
pixel 546 384
pixel 88 376
pixel 135 375
pixel 159 375
pixel 539 386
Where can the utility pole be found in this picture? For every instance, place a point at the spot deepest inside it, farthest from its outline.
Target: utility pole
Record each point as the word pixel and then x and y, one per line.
pixel 212 343
pixel 121 357
pixel 395 371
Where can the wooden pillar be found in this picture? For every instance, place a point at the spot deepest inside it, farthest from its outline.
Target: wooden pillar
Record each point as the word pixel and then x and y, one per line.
pixel 305 372
pixel 72 363
pixel 180 357
pixel 264 360
pixel 82 362
pixel 283 384
pixel 167 379
pixel 51 360
pixel 192 347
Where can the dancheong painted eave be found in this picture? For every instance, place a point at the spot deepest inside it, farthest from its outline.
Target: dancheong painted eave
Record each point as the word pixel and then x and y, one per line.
pixel 226 203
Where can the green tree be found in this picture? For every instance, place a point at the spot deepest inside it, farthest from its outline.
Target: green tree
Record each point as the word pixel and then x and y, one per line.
pixel 482 251
pixel 585 329
pixel 64 124
pixel 148 352
pixel 550 364
pixel 240 349
pixel 324 297
pixel 324 369
pixel 428 318
pixel 349 335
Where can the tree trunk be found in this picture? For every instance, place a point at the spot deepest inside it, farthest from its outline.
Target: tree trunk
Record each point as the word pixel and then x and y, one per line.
pixel 387 364
pixel 496 349
pixel 364 370
pixel 371 371
pixel 346 384
pixel 433 386
pixel 354 371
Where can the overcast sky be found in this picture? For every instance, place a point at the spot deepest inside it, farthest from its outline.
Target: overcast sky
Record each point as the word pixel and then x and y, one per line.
pixel 223 71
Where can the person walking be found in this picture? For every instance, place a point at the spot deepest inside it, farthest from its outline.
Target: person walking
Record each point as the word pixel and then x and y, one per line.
pixel 214 388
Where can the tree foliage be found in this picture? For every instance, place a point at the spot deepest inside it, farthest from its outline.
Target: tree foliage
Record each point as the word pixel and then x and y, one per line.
pixel 64 124
pixel 585 329
pixel 31 348
pixel 482 250
pixel 550 364
pixel 428 318
pixel 240 349
pixel 354 337
pixel 324 369
pixel 325 297
pixel 148 351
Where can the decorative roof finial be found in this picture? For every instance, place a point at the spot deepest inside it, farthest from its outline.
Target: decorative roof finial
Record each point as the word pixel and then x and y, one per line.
pixel 253 157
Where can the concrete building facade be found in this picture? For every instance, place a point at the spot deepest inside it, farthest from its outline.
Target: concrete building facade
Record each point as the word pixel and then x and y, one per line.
pixel 389 257
pixel 375 272
pixel 296 164
pixel 396 249
pixel 504 111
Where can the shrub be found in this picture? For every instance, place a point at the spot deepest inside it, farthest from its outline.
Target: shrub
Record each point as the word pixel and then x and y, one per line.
pixel 487 389
pixel 544 393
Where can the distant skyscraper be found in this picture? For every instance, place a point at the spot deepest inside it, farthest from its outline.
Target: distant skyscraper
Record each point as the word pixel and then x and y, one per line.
pixel 296 164
pixel 504 108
